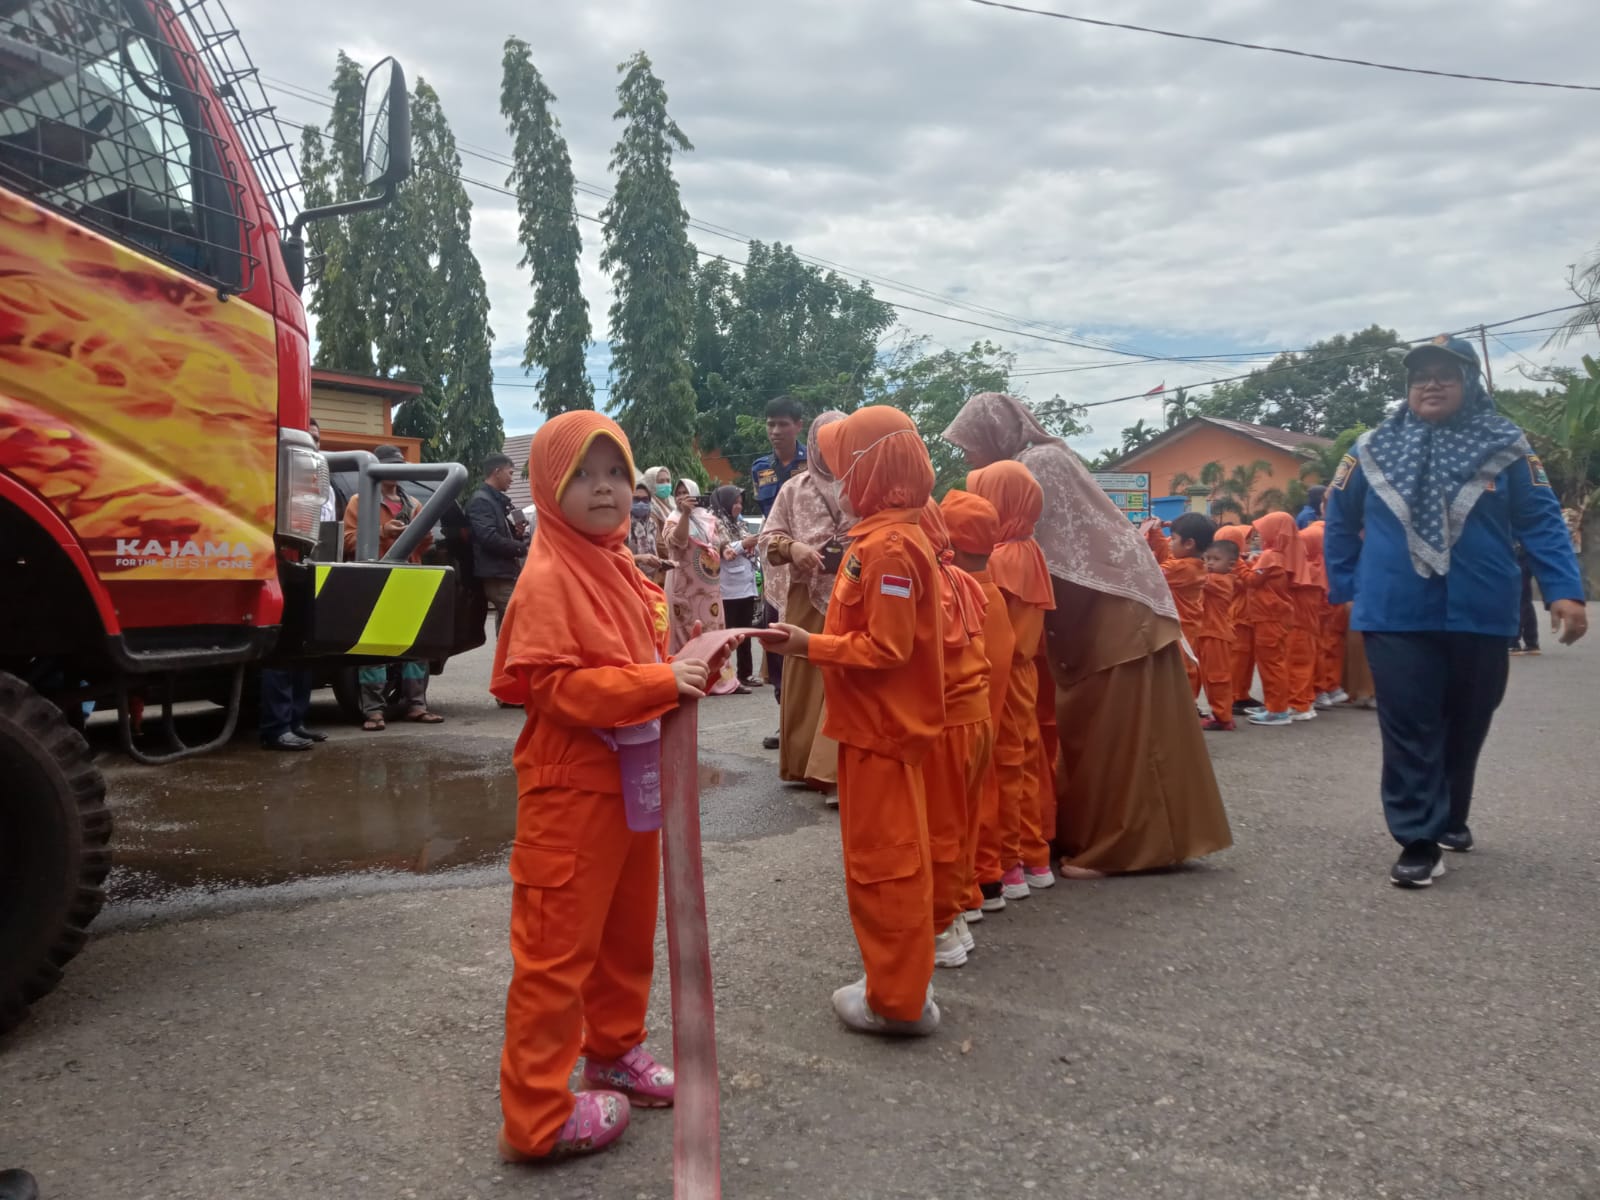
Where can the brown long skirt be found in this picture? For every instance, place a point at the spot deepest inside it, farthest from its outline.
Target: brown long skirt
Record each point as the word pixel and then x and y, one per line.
pixel 805 753
pixel 1357 674
pixel 1135 790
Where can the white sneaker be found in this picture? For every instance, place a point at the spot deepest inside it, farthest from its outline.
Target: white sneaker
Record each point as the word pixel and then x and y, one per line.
pixel 1295 714
pixel 1338 696
pixel 972 916
pixel 1014 886
pixel 1322 701
pixel 993 904
pixel 1039 880
pixel 850 1002
pixel 948 950
pixel 968 942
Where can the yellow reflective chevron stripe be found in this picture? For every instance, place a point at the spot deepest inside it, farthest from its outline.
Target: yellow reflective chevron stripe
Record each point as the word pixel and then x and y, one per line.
pixel 399 612
pixel 322 578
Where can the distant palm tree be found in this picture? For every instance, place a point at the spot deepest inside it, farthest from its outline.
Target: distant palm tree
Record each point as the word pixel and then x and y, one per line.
pixel 1272 500
pixel 1242 481
pixel 1211 476
pixel 1137 435
pixel 1176 407
pixel 1584 280
pixel 1322 462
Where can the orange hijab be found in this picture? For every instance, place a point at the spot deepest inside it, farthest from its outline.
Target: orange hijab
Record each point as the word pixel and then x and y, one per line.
pixel 1311 544
pixel 877 453
pixel 580 601
pixel 959 593
pixel 973 523
pixel 1017 563
pixel 1280 546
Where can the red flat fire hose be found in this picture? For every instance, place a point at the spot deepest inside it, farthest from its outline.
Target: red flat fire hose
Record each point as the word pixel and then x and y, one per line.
pixel 696 1121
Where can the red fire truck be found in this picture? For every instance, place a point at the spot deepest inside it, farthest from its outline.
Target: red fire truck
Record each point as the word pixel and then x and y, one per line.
pixel 159 492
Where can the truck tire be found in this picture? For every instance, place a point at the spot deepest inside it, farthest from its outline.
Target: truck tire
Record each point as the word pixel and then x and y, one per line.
pixel 55 832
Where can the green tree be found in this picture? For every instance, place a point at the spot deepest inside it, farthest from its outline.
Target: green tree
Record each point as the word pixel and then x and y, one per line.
pixel 1563 425
pixel 1136 435
pixel 1178 407
pixel 1211 476
pixel 1584 282
pixel 1331 385
pixel 1241 481
pixel 558 320
pixel 1322 462
pixel 652 264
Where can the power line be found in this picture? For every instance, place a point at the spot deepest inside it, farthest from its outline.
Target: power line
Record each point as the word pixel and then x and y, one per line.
pixel 1330 58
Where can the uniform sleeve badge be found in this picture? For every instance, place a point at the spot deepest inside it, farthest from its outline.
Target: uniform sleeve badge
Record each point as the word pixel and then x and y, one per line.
pixel 895 585
pixel 852 569
pixel 1537 471
pixel 1341 477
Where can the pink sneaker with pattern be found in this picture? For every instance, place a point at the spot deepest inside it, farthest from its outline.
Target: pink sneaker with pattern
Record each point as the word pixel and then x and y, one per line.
pixel 598 1119
pixel 636 1075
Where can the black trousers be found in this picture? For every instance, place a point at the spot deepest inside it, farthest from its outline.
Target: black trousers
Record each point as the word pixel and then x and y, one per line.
pixel 285 702
pixel 1437 693
pixel 774 661
pixel 741 614
pixel 1530 614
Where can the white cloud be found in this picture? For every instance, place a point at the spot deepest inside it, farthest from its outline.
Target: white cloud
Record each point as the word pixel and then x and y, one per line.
pixel 1166 194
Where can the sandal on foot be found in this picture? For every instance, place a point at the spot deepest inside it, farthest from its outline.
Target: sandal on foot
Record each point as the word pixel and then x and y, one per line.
pixel 597 1120
pixel 373 723
pixel 423 717
pixel 636 1075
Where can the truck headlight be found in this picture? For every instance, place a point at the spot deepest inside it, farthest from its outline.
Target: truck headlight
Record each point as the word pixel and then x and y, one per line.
pixel 302 488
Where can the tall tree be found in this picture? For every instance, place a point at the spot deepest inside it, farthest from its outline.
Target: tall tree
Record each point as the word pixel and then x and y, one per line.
pixel 1584 282
pixel 558 319
pixel 1331 385
pixel 1137 434
pixel 652 264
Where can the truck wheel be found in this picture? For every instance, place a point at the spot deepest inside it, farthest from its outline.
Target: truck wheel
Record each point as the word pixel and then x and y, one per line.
pixel 55 832
pixel 347 691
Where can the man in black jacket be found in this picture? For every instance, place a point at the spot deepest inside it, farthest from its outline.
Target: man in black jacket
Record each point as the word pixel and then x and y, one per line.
pixel 499 535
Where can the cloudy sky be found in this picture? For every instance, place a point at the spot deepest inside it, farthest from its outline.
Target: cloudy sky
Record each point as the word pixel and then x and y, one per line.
pixel 1054 179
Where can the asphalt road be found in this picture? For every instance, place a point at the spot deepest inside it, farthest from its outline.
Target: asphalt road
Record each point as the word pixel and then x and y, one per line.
pixel 1274 1022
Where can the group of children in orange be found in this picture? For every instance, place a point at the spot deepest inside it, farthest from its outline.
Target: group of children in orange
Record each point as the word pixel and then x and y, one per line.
pixel 1254 598
pixel 930 663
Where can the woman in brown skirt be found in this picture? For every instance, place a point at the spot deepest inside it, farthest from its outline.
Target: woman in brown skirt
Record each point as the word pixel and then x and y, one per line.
pixel 1135 790
pixel 805 522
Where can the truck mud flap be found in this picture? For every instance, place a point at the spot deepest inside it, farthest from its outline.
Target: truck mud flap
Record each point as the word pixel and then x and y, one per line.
pixel 381 610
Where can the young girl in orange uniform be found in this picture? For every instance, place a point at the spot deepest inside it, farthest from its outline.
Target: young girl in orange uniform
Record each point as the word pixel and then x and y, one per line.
pixel 1244 657
pixel 1271 612
pixel 882 657
pixel 954 771
pixel 1214 645
pixel 1333 623
pixel 1019 570
pixel 974 532
pixel 582 650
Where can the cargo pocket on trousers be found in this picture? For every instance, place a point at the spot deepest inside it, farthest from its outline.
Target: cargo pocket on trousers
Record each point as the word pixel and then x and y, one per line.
pixel 545 890
pixel 891 886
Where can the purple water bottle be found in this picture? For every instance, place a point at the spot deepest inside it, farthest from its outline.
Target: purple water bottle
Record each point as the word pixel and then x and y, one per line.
pixel 638 750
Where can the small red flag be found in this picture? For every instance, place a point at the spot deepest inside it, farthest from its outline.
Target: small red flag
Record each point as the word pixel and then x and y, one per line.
pixel 1158 389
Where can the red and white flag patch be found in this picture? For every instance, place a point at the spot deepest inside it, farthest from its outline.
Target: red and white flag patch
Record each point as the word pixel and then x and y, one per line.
pixel 895 585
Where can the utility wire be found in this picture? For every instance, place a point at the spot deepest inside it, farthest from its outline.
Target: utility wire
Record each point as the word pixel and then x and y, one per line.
pixel 1330 58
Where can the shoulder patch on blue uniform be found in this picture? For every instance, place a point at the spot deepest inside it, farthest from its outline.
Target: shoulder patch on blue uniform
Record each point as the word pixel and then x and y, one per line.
pixel 1342 475
pixel 1537 471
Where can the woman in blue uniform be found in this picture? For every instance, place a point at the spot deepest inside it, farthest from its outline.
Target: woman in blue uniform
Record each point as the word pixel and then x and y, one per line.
pixel 1421 519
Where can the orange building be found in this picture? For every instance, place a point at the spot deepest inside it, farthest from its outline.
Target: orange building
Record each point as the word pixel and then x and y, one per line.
pixel 1187 448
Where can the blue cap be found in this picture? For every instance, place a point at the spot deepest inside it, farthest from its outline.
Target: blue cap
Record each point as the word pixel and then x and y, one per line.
pixel 1446 346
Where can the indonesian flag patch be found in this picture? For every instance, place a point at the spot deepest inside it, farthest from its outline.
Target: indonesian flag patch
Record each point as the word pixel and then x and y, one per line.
pixel 895 585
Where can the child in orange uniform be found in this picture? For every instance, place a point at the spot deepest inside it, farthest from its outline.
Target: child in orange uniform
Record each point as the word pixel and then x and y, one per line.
pixel 1019 570
pixel 1214 646
pixel 581 651
pixel 1244 641
pixel 1333 622
pixel 1271 612
pixel 1181 563
pixel 974 532
pixel 954 771
pixel 881 651
pixel 1308 591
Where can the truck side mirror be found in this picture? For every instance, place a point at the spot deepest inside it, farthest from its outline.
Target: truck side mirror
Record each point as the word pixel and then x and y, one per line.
pixel 386 128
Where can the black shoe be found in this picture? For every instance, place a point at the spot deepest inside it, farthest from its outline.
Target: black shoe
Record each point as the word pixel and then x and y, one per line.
pixel 1418 866
pixel 310 735
pixel 286 741
pixel 1240 707
pixel 18 1185
pixel 770 743
pixel 752 683
pixel 1457 840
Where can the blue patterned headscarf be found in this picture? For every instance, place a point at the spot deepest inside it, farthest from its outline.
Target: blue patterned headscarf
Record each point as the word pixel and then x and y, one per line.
pixel 1431 475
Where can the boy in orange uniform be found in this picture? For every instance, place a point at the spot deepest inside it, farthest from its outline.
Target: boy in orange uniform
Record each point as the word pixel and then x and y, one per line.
pixel 1271 612
pixel 1330 631
pixel 954 771
pixel 1181 563
pixel 882 657
pixel 581 651
pixel 1019 570
pixel 974 532
pixel 1309 593
pixel 1214 646
pixel 1244 658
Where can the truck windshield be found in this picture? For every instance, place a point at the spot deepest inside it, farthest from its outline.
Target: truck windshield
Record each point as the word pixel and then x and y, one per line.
pixel 101 120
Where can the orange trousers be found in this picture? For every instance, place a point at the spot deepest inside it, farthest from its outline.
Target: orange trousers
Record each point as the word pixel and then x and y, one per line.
pixel 1330 656
pixel 985 846
pixel 1272 660
pixel 883 824
pixel 1049 749
pixel 953 775
pixel 1020 829
pixel 583 930
pixel 1303 648
pixel 1216 675
pixel 1244 660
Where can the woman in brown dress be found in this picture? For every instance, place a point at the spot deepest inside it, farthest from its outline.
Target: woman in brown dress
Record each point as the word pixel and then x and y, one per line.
pixel 1135 790
pixel 804 519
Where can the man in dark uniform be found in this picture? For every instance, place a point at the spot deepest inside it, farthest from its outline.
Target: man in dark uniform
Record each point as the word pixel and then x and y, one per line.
pixel 769 473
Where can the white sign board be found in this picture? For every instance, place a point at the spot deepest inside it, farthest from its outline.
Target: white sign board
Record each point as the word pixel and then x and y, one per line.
pixel 1129 491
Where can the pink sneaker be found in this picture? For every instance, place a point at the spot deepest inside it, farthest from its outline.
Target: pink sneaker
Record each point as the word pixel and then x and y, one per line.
pixel 636 1075
pixel 598 1119
pixel 1014 885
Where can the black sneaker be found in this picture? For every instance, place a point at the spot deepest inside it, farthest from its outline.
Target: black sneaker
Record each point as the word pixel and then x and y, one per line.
pixel 1458 841
pixel 1418 866
pixel 1243 707
pixel 770 743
